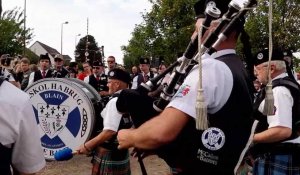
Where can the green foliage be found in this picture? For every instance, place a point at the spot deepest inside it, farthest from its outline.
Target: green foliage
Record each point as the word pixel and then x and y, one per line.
pixel 91 47
pixel 285 26
pixel 165 32
pixel 12 32
pixel 167 28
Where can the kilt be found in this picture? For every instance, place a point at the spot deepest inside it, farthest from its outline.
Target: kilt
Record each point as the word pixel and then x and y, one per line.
pixel 105 163
pixel 274 164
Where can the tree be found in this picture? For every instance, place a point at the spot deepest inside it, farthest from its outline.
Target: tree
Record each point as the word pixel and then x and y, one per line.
pixel 12 32
pixel 165 32
pixel 286 24
pixel 89 49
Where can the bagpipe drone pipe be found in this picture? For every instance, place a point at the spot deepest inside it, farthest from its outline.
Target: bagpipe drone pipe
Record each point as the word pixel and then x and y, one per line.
pixel 142 107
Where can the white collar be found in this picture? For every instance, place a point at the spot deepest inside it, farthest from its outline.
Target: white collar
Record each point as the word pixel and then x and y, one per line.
pixel 222 52
pixel 280 76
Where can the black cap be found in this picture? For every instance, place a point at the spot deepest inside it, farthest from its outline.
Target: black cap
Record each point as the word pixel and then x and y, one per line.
pixel 44 57
pixel 263 56
pixel 144 61
pixel 119 74
pixel 201 5
pixel 97 63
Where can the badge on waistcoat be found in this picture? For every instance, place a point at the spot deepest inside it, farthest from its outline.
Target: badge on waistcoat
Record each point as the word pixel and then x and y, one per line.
pixel 213 138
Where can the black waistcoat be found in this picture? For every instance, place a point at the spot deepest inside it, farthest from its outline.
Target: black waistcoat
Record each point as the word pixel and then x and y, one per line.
pixel 38 75
pixel 100 85
pixel 263 123
pixel 216 150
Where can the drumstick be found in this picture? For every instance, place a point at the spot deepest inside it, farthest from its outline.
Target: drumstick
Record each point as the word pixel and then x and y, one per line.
pixel 64 154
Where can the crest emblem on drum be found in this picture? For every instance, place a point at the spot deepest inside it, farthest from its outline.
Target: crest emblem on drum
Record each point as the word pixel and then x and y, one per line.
pixel 53 118
pixel 213 138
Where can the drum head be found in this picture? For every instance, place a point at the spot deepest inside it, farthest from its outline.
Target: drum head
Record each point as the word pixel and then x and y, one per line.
pixel 64 113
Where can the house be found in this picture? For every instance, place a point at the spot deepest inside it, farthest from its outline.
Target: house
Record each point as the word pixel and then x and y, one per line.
pixel 40 48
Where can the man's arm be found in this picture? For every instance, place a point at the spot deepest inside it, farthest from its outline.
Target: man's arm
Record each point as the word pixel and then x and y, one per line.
pixel 272 135
pixel 99 139
pixel 156 132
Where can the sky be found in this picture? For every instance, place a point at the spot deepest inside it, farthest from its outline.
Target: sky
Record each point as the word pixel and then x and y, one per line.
pixel 111 22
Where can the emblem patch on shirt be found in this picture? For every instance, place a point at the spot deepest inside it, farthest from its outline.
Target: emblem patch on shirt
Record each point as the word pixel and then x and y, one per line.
pixel 213 138
pixel 183 91
pixel 64 114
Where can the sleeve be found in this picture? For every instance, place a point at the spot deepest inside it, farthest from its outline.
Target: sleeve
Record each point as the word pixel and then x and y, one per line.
pixel 283 104
pixel 27 156
pixel 87 79
pixel 134 82
pixel 111 116
pixel 31 79
pixel 217 82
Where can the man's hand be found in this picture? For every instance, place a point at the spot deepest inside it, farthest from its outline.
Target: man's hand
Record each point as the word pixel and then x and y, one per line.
pixel 125 138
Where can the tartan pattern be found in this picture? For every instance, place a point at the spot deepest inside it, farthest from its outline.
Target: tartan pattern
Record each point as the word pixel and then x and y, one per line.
pixel 269 164
pixel 104 165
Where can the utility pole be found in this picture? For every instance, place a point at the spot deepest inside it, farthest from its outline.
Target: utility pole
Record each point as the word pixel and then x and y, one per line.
pixel 87 41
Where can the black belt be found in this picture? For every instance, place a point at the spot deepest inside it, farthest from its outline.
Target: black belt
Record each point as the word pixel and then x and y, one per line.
pixel 279 149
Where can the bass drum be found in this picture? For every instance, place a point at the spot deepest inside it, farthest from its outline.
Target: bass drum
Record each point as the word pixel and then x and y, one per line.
pixel 67 112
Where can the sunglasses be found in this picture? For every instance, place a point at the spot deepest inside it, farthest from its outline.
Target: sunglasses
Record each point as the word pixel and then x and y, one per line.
pixel 96 67
pixel 110 61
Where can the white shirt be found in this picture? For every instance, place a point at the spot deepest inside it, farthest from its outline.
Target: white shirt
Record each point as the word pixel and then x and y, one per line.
pixel 111 116
pixel 217 83
pixel 135 82
pixel 19 127
pixel 283 104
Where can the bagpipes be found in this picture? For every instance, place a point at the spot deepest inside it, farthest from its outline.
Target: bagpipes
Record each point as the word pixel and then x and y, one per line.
pixel 140 106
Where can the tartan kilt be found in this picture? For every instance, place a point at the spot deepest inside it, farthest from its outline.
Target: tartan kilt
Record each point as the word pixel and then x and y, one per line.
pixel 104 163
pixel 269 164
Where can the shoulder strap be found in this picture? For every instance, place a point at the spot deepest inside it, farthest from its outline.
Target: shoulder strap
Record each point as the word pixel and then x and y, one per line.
pixel 287 82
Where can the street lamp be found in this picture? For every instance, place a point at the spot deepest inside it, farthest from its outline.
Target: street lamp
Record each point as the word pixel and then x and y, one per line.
pixel 24 35
pixel 76 39
pixel 61 37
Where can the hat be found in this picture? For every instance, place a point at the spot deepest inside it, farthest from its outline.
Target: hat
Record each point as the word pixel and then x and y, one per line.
pixel 59 56
pixel 6 60
pixel 201 5
pixel 97 63
pixel 263 56
pixel 44 57
pixel 119 74
pixel 144 61
pixel 73 64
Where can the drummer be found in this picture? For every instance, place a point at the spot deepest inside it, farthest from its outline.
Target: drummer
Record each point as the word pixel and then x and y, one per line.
pixel 43 72
pixel 108 159
pixel 98 79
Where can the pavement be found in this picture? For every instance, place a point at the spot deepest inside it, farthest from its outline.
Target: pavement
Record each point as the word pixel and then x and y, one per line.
pixel 80 165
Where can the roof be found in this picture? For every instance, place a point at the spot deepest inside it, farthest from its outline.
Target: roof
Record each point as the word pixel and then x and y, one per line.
pixel 49 49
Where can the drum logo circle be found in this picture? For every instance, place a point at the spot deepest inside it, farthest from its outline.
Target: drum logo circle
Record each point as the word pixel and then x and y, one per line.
pixel 213 138
pixel 63 114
